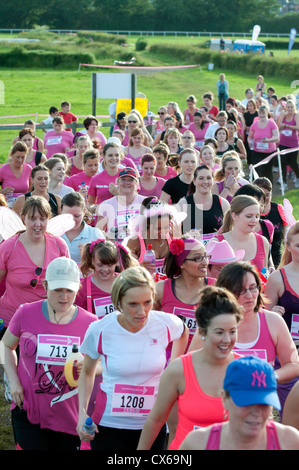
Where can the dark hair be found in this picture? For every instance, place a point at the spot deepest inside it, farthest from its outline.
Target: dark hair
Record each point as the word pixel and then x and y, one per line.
pixel 25 131
pixel 171 269
pixel 203 166
pixel 214 301
pixel 88 120
pixel 53 109
pixel 232 276
pixel 73 199
pixel 109 253
pixel 198 113
pixel 251 190
pixel 263 182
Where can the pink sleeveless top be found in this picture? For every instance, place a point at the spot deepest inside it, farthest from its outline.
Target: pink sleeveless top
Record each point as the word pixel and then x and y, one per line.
pixel 263 346
pixel 259 260
pixel 171 304
pixel 196 408
pixel 215 435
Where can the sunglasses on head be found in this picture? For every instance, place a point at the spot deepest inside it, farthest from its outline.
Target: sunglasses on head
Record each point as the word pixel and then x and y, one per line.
pixel 37 272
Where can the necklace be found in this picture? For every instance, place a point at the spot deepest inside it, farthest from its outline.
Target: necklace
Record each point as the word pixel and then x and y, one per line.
pixel 54 315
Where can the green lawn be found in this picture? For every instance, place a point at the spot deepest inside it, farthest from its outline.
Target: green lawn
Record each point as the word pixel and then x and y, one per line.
pixel 31 91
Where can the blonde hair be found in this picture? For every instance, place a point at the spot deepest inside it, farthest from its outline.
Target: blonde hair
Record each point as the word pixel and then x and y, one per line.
pixel 286 256
pixel 229 156
pixel 128 279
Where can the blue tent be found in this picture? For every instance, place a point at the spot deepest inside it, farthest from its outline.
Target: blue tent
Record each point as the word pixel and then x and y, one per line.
pixel 247 45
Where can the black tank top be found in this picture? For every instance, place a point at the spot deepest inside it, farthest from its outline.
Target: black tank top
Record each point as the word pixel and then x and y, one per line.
pixel 52 202
pixel 209 221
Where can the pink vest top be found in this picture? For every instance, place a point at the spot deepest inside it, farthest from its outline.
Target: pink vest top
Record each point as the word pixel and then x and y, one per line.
pixel 215 434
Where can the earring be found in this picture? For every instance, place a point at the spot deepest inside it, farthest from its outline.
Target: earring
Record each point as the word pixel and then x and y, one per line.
pixel 203 338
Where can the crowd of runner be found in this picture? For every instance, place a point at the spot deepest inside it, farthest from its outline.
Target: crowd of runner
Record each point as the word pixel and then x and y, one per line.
pixel 171 270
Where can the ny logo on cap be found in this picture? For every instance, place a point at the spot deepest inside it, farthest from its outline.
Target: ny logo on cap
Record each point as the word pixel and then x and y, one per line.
pixel 261 379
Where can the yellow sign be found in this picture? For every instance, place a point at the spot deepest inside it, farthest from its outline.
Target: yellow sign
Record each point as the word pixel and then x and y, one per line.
pixel 125 106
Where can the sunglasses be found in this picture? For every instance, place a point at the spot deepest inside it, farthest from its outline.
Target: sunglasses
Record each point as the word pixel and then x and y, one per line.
pixel 161 113
pixel 132 122
pixel 37 272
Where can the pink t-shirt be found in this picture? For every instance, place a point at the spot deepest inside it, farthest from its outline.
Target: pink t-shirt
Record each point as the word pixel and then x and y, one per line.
pixel 20 270
pixel 258 134
pixel 156 191
pixel 76 180
pixel 48 399
pixel 74 170
pixel 199 134
pixel 21 185
pixel 99 186
pixel 171 173
pixel 57 143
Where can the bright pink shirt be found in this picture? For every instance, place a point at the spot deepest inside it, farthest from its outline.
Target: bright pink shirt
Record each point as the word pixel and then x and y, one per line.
pixel 48 399
pixel 57 143
pixel 171 173
pixel 199 134
pixel 156 191
pixel 99 186
pixel 21 185
pixel 20 270
pixel 76 180
pixel 258 134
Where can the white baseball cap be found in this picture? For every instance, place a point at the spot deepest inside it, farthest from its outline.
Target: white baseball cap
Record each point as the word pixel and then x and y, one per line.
pixel 63 273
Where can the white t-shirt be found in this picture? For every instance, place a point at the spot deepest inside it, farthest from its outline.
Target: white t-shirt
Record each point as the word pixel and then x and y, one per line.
pixel 132 366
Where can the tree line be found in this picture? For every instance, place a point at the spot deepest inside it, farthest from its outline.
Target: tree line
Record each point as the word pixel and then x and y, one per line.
pixel 148 15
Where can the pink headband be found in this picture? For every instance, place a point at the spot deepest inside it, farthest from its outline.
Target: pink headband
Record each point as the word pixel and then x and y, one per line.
pixel 181 248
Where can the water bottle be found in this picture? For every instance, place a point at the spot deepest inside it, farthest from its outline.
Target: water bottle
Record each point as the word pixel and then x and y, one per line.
pixel 150 255
pixel 89 426
pixel 2 324
pixel 251 144
pixel 264 272
pixel 83 189
pixel 75 356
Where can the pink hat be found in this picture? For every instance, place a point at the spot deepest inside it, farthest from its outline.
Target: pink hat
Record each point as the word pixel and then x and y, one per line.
pixel 222 252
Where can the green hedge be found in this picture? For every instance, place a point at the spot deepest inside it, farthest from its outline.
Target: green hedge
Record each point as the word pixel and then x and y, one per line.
pixel 246 63
pixel 18 57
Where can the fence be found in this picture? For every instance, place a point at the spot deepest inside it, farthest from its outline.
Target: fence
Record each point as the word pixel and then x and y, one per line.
pixel 253 174
pixel 152 33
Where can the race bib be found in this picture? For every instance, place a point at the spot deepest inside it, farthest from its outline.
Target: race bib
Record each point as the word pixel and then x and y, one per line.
pixel 103 306
pixel 206 237
pixel 54 140
pixel 295 326
pixel 199 144
pixel 159 265
pixel 260 353
pixel 128 400
pixel 262 145
pixel 11 198
pixel 189 320
pixel 54 349
pixel 287 132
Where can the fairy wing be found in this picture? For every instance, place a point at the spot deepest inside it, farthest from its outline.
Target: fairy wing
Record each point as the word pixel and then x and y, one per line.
pixel 288 210
pixel 60 224
pixel 10 222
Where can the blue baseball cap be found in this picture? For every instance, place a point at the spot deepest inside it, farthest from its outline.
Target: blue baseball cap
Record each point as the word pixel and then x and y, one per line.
pixel 251 381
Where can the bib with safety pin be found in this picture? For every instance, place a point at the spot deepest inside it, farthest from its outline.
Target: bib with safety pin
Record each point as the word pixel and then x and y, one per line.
pixel 54 349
